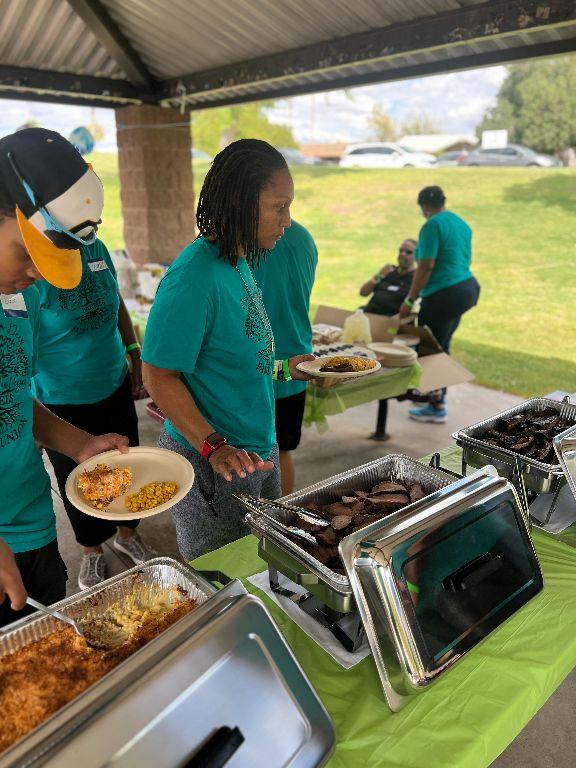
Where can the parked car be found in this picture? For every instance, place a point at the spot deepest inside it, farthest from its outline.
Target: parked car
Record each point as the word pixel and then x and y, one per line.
pixel 513 155
pixel 384 155
pixel 295 157
pixel 452 158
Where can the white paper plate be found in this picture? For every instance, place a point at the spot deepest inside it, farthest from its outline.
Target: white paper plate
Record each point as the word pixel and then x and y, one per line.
pixel 148 465
pixel 394 355
pixel 396 351
pixel 407 340
pixel 313 367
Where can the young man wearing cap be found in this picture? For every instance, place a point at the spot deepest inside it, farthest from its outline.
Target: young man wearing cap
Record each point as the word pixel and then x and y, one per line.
pixel 50 205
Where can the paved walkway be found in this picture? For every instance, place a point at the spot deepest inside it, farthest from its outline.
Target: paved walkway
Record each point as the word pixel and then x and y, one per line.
pixel 547 741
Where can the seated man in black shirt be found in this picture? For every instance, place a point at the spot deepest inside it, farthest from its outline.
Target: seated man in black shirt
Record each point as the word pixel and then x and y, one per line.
pixel 389 288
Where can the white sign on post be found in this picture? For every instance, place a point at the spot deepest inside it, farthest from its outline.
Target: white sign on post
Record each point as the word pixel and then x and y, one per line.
pixel 494 139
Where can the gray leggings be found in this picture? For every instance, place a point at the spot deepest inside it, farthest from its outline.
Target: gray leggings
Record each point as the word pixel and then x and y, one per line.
pixel 208 517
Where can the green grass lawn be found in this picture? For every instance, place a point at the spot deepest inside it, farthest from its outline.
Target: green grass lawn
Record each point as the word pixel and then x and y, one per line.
pixel 520 336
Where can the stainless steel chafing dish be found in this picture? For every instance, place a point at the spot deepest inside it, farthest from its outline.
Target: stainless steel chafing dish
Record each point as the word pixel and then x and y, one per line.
pixel 301 567
pixel 431 585
pixel 221 678
pixel 425 583
pixel 554 512
pixel 536 476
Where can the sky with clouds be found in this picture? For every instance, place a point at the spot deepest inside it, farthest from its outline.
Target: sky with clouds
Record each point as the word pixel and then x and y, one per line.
pixel 455 101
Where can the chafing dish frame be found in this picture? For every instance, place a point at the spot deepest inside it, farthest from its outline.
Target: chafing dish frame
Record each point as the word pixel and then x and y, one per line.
pixel 525 473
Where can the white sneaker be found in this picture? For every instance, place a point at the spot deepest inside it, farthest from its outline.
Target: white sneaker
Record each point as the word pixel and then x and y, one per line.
pixel 134 547
pixel 92 570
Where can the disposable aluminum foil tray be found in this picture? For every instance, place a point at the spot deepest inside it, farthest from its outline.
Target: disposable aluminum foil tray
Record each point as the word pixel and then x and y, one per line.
pixel 157 574
pixel 362 478
pixel 538 477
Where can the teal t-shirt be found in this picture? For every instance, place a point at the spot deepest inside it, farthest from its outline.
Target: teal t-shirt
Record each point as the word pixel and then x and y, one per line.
pixel 81 356
pixel 208 322
pixel 447 239
pixel 286 279
pixel 26 514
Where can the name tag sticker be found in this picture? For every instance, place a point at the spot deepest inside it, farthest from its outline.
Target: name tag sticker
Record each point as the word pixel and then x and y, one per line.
pixel 97 266
pixel 13 305
pixel 394 288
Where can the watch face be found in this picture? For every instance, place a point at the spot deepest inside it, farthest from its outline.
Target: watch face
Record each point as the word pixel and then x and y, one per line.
pixel 214 439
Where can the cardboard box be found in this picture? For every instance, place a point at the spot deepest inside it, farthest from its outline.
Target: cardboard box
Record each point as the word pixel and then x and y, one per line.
pixel 438 369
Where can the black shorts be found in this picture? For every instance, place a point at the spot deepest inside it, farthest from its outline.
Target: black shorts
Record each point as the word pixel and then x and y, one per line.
pixel 44 576
pixel 289 415
pixel 114 414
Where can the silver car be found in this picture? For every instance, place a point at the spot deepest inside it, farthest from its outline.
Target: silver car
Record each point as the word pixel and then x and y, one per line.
pixel 511 155
pixel 295 157
pixel 452 158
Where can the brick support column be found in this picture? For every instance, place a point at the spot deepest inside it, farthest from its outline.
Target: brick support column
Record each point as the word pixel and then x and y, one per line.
pixel 156 191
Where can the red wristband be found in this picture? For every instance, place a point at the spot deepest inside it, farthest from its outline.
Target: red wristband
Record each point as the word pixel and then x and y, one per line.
pixel 208 448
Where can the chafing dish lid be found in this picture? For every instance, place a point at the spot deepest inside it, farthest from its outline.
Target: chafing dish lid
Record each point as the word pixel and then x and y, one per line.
pixel 433 583
pixel 565 447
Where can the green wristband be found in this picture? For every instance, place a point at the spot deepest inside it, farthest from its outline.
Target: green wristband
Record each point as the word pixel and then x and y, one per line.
pixel 132 347
pixel 409 303
pixel 412 587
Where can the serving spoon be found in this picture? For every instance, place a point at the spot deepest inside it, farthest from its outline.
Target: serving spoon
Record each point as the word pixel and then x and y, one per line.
pixel 60 617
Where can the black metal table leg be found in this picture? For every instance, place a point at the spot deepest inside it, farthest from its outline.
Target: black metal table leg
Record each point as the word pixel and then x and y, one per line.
pixel 347 628
pixel 381 419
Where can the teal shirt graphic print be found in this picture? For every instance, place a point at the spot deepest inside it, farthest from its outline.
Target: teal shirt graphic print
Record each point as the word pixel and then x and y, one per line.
pixel 208 322
pixel 81 356
pixel 26 515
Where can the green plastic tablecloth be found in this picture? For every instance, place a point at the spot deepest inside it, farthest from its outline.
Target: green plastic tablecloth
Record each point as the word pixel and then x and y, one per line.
pixel 139 321
pixel 329 401
pixel 471 715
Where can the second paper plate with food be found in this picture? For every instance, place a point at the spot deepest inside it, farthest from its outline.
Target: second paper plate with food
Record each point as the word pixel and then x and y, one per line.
pixel 137 484
pixel 339 367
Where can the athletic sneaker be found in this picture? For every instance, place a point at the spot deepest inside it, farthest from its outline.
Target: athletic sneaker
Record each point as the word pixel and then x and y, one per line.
pixel 428 413
pixel 92 570
pixel 135 548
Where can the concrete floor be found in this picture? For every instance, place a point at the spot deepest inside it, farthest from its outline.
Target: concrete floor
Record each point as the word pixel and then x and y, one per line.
pixel 546 741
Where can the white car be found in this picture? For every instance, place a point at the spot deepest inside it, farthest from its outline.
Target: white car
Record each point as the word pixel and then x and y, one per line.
pixel 384 155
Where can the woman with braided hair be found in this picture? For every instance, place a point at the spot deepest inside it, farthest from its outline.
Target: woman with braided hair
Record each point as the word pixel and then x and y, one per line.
pixel 209 353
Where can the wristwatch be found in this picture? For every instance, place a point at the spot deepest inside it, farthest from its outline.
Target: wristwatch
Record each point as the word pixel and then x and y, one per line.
pixel 212 443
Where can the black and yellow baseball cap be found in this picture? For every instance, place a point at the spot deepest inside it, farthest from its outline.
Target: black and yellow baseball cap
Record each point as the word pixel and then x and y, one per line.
pixel 58 200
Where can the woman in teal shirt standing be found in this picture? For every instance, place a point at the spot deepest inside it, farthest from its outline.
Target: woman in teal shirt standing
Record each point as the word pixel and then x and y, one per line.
pixel 82 376
pixel 443 279
pixel 286 279
pixel 209 351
